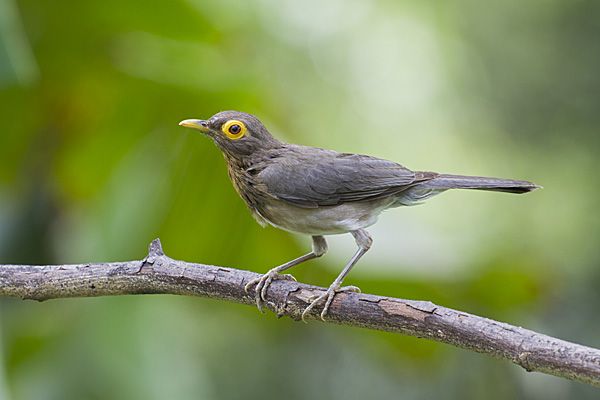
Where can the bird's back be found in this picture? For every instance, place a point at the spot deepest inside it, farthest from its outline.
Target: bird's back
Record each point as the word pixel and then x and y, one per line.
pixel 311 177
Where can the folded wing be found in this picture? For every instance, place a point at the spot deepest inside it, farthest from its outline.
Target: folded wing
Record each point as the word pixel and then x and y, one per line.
pixel 326 178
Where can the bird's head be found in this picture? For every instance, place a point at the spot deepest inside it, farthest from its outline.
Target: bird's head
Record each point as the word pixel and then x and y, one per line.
pixel 237 134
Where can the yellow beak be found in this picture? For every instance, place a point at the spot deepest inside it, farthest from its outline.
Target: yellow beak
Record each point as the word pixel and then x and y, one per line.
pixel 198 124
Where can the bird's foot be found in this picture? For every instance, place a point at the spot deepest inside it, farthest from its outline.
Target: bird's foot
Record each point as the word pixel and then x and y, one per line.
pixel 328 297
pixel 262 285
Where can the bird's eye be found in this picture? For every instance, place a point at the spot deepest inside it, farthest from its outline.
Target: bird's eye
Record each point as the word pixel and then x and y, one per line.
pixel 234 129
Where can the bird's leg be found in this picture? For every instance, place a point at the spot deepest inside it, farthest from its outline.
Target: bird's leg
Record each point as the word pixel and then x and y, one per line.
pixel 319 247
pixel 363 241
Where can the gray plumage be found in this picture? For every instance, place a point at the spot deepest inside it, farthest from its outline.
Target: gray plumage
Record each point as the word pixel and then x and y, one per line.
pixel 311 177
pixel 317 192
pixel 320 192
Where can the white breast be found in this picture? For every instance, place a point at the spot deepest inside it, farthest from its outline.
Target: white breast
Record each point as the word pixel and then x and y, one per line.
pixel 327 220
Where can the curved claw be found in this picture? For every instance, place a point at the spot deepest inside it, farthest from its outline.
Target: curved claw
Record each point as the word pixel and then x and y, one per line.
pixel 328 296
pixel 250 284
pixel 262 285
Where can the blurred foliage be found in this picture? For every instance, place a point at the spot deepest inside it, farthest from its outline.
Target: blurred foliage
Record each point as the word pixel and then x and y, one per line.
pixel 93 166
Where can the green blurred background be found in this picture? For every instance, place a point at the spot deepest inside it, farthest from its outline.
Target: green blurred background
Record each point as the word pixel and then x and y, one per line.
pixel 93 166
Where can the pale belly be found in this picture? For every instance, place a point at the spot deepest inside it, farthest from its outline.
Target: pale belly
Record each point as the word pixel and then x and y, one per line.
pixel 327 220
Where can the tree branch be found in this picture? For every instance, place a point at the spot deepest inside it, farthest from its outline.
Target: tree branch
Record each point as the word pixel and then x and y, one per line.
pixel 158 273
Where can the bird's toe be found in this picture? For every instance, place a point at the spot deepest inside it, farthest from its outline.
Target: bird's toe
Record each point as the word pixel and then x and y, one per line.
pixel 353 289
pixel 251 283
pixel 314 302
pixel 328 297
pixel 262 286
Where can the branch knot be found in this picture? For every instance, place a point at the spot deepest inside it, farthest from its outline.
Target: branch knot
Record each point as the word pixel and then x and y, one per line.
pixel 155 249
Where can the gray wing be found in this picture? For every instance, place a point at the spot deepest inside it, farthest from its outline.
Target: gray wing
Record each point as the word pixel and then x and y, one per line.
pixel 310 177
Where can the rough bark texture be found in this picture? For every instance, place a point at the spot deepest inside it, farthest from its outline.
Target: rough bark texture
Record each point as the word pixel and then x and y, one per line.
pixel 158 273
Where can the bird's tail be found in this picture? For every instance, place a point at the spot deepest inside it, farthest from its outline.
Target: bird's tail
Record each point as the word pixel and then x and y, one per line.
pixel 439 183
pixel 445 181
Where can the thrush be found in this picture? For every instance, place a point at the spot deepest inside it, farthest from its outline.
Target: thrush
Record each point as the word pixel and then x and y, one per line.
pixel 320 192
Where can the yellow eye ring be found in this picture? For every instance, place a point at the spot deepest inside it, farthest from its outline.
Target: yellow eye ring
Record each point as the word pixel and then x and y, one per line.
pixel 234 129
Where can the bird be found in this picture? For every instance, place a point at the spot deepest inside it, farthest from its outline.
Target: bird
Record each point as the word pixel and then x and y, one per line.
pixel 320 192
